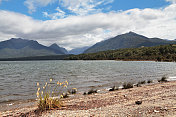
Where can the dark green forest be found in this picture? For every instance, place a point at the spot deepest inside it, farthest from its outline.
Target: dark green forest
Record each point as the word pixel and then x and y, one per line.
pixel 157 53
pixel 33 58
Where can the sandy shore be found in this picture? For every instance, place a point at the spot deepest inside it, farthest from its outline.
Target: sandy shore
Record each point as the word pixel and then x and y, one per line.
pixel 158 100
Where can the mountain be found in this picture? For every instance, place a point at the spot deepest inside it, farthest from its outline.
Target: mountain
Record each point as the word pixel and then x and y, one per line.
pixel 77 51
pixel 128 40
pixel 17 47
pixel 58 49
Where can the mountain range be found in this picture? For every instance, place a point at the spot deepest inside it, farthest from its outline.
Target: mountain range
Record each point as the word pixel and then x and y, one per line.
pixel 127 40
pixel 17 47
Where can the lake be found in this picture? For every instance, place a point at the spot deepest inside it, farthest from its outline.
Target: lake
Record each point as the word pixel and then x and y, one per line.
pixel 18 78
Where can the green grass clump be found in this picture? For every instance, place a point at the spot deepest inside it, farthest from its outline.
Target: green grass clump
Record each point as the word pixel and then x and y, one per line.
pixel 91 91
pixel 49 97
pixel 127 85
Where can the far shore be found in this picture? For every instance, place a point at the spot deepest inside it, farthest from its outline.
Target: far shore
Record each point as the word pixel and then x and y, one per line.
pixel 157 100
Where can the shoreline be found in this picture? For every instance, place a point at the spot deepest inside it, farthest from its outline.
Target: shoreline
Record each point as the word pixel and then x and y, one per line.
pixel 157 100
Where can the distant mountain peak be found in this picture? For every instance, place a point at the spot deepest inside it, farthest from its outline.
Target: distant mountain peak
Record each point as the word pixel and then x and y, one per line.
pixel 18 47
pixel 21 40
pixel 17 39
pixel 57 48
pixel 132 33
pixel 127 40
pixel 54 44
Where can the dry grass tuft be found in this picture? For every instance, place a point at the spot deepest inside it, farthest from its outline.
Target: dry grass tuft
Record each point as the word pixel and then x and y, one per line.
pixel 49 96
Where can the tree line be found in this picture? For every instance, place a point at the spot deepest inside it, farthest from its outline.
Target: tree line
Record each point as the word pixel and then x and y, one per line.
pixel 157 53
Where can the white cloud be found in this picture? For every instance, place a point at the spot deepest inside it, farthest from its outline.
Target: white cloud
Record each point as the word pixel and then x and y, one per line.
pixel 77 7
pixel 77 31
pixel 84 7
pixel 33 4
pixel 57 15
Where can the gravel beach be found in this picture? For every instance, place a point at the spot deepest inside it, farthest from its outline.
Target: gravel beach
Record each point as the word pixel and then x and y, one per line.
pixel 157 100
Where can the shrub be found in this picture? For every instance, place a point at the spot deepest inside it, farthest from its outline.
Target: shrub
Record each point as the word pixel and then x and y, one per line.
pixel 143 82
pixel 163 79
pixel 138 85
pixel 92 91
pixel 127 85
pixel 65 95
pixel 84 93
pixel 47 95
pixel 72 91
pixel 149 81
pixel 113 88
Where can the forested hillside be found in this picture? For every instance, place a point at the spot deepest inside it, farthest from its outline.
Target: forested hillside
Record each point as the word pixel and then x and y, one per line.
pixel 157 53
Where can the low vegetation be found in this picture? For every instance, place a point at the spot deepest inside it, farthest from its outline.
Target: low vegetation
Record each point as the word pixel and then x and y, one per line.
pixel 113 88
pixel 127 85
pixel 72 91
pixel 149 81
pixel 157 53
pixel 84 93
pixel 49 96
pixel 163 79
pixel 142 82
pixel 91 91
pixel 65 95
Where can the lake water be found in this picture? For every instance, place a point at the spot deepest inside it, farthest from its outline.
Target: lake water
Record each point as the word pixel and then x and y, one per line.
pixel 18 78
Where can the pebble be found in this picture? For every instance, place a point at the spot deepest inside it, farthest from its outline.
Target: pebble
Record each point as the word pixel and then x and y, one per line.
pixel 138 102
pixel 156 111
pixel 10 104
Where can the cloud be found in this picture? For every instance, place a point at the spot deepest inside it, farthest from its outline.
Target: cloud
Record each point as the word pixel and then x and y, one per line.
pixel 77 7
pixel 172 1
pixel 58 14
pixel 79 31
pixel 84 7
pixel 2 0
pixel 33 4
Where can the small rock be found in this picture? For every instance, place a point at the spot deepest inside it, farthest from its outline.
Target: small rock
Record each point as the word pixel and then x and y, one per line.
pixel 156 111
pixel 138 102
pixel 10 104
pixel 111 89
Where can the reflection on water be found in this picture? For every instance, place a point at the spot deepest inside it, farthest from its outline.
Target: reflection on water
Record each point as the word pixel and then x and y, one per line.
pixel 18 79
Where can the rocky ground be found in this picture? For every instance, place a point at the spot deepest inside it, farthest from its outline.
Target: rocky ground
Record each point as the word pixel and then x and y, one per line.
pixel 158 100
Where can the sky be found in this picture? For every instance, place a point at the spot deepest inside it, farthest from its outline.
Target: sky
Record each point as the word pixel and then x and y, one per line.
pixel 78 23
